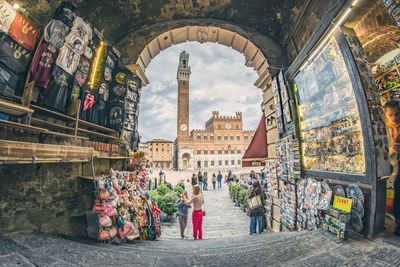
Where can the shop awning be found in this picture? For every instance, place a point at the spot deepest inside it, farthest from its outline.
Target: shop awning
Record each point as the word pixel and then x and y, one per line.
pixel 257 152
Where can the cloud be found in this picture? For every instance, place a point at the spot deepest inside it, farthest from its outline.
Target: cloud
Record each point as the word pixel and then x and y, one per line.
pixel 219 81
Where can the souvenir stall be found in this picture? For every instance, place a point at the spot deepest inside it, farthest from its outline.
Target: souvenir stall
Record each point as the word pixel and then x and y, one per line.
pixel 18 37
pixel 123 209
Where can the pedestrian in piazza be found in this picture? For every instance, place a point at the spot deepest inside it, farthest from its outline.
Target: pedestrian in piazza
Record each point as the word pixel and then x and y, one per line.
pixel 200 180
pixel 214 180
pixel 219 178
pixel 392 113
pixel 205 180
pixel 194 179
pixel 256 214
pixel 183 204
pixel 197 201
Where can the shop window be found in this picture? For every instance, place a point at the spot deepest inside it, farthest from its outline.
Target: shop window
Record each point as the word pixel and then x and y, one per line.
pixel 232 162
pixel 220 162
pixel 219 152
pixel 232 138
pixel 226 162
pixel 198 152
pixel 225 137
pixel 219 138
pixel 212 163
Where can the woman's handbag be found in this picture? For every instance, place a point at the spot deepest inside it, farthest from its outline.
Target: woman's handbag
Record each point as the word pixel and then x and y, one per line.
pixel 254 202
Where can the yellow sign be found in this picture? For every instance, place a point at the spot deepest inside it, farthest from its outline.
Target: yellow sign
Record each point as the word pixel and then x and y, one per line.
pixel 342 203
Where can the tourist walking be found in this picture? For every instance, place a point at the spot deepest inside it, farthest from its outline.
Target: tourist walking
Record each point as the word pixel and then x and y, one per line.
pixel 219 178
pixel 197 215
pixel 194 179
pixel 201 181
pixel 256 213
pixel 183 208
pixel 205 181
pixel 214 180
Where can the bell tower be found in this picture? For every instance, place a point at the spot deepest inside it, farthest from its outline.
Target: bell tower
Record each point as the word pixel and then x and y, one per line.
pixel 183 75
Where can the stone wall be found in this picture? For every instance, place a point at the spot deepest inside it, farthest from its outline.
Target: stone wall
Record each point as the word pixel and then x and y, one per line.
pixel 48 197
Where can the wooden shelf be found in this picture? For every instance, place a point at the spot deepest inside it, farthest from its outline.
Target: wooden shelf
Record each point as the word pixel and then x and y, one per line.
pixel 22 126
pixel 386 72
pixel 52 113
pixel 51 124
pixel 388 90
pixel 97 127
pixel 14 109
pixel 105 136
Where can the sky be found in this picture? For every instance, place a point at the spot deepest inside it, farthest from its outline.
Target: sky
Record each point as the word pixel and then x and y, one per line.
pixel 219 81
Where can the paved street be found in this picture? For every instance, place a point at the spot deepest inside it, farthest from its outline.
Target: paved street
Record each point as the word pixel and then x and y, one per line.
pixel 223 219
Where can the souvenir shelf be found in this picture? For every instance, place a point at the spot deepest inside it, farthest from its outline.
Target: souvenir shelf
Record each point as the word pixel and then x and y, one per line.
pixel 393 8
pixel 272 178
pixel 330 124
pixel 388 84
pixel 337 222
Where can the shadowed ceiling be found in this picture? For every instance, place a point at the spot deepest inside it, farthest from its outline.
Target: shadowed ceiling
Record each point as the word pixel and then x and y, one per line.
pixel 117 17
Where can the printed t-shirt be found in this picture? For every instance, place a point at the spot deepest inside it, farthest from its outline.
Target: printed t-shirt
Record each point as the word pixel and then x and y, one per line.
pixel 24 31
pixel 55 33
pixel 58 91
pixel 80 77
pixel 10 83
pixel 67 60
pixel 42 64
pixel 75 43
pixel 102 102
pixel 12 55
pixel 66 12
pixel 7 15
pixel 116 115
pixel 82 29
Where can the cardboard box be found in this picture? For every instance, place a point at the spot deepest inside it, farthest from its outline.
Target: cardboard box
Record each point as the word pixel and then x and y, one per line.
pixel 276 212
pixel 276 200
pixel 276 226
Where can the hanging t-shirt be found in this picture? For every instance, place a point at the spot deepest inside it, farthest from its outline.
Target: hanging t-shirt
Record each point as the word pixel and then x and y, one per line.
pixel 116 115
pixel 88 101
pixel 66 12
pixel 135 141
pixel 130 107
pixel 102 102
pixel 12 55
pixel 58 91
pixel 75 43
pixel 55 33
pixel 10 82
pixel 24 31
pixel 67 60
pixel 126 138
pixel 42 64
pixel 129 122
pixel 118 91
pixel 82 29
pixel 111 58
pixel 7 15
pixel 82 71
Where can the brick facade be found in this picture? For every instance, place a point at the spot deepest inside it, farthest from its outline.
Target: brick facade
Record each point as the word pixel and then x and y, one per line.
pixel 160 153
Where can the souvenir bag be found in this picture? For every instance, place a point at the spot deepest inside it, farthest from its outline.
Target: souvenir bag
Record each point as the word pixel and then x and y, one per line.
pixel 120 220
pixel 254 202
pixel 113 232
pixel 98 207
pixel 104 234
pixel 104 194
pixel 105 221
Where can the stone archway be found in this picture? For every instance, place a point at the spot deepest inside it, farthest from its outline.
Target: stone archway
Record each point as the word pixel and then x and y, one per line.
pixel 260 51
pixel 186 160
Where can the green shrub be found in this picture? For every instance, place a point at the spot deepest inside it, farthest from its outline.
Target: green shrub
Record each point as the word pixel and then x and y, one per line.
pixel 163 189
pixel 180 188
pixel 168 203
pixel 243 197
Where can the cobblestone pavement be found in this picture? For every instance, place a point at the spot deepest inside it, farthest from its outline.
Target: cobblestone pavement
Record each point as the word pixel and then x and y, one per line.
pixel 223 219
pixel 226 242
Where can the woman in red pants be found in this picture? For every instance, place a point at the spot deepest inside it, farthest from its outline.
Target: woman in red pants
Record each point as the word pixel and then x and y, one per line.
pixel 197 215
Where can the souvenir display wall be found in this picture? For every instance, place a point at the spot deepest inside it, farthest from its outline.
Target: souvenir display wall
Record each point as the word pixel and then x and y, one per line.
pixel 288 206
pixel 393 8
pixel 124 208
pixel 272 177
pixel 287 117
pixel 330 122
pixel 277 102
pixel 18 36
pixel 388 84
pixel 288 155
pixel 268 211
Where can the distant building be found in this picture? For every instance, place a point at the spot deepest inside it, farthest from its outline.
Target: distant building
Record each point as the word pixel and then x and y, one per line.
pixel 143 147
pixel 220 146
pixel 160 153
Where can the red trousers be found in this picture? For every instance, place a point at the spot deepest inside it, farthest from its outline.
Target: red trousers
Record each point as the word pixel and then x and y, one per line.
pixel 197 220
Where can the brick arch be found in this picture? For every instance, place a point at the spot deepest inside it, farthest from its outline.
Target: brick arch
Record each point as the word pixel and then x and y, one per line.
pixel 379 41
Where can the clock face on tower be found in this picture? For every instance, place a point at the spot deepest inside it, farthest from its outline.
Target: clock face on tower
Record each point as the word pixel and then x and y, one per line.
pixel 228 126
pixel 183 127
